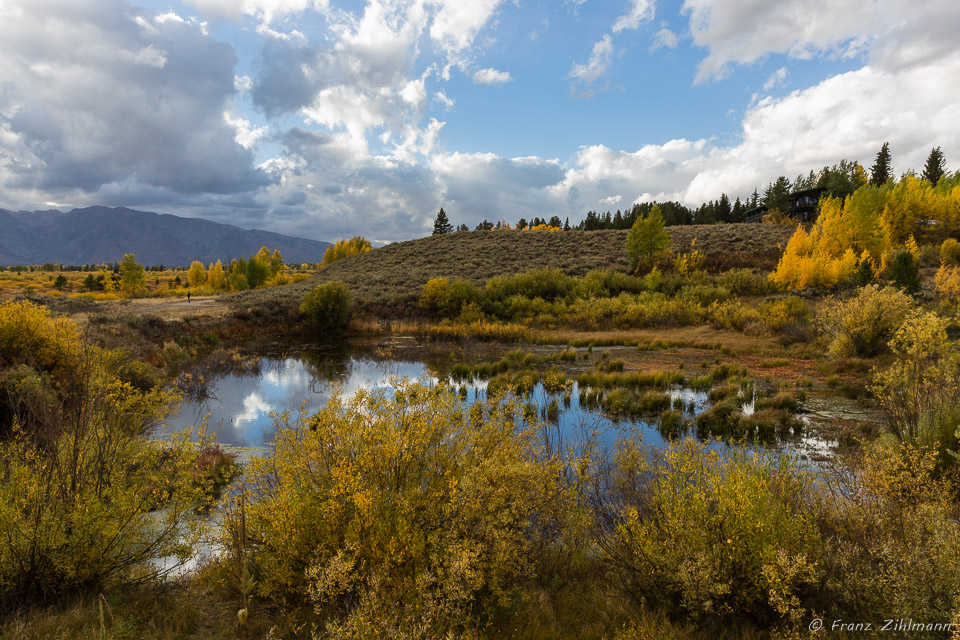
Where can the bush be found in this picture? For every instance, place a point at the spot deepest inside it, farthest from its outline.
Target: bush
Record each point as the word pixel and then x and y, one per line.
pixel 950 252
pixel 904 271
pixel 863 324
pixel 85 500
pixel 548 284
pixel 448 299
pixel 401 513
pixel 919 393
pixel 328 307
pixel 710 534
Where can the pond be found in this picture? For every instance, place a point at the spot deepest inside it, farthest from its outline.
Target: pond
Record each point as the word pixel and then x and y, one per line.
pixel 239 407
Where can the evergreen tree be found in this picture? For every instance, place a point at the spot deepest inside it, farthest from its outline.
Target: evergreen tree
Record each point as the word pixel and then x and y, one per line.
pixel 566 224
pixel 554 221
pixel 754 199
pixel 736 214
pixel 723 211
pixel 881 171
pixel 442 224
pixel 777 195
pixel 936 166
pixel 522 224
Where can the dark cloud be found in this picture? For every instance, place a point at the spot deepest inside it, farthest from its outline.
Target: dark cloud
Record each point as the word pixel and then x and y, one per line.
pixel 289 74
pixel 96 94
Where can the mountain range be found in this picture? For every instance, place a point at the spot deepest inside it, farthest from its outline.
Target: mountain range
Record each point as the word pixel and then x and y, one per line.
pixel 103 234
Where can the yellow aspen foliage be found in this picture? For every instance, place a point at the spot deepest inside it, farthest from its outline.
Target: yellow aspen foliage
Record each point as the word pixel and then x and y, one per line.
pixel 215 277
pixel 196 274
pixel 346 248
pixel 947 282
pixel 873 223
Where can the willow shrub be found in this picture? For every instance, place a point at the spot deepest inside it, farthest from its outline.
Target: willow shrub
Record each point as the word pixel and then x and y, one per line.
pixel 393 514
pixel 862 325
pixel 710 534
pixel 328 307
pixel 85 500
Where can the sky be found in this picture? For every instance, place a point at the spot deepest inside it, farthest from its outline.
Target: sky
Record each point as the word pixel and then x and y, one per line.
pixel 327 119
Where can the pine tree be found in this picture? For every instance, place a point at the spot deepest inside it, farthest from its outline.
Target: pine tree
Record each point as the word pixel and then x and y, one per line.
pixel 881 170
pixel 723 211
pixel 566 224
pixel 935 168
pixel 442 224
pixel 777 195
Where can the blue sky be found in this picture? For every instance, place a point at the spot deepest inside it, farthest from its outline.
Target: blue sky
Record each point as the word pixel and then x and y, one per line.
pixel 325 119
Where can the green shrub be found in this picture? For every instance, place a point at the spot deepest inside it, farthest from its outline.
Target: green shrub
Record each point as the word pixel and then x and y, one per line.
pixel 328 307
pixel 744 282
pixel 904 271
pixel 862 325
pixel 449 298
pixel 606 284
pixel 548 284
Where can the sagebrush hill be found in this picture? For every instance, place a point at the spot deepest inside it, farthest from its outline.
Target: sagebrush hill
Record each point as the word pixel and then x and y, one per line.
pixel 391 278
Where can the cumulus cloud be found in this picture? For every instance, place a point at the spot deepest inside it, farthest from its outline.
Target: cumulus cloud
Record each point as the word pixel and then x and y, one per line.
pixel 639 11
pixel 491 76
pixel 896 33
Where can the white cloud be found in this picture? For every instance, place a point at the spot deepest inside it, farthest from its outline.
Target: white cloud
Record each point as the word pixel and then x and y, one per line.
pixel 246 135
pixel 242 83
pixel 442 98
pixel 664 38
pixel 600 60
pixel 491 76
pixel 457 22
pixel 776 78
pixel 611 200
pixel 895 33
pixel 640 11
pixel 265 10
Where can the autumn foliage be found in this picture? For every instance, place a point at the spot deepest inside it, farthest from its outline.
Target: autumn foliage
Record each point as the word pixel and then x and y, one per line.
pixel 871 226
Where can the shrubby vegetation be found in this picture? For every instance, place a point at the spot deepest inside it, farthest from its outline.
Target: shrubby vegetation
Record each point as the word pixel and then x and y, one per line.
pixel 85 500
pixel 328 306
pixel 415 515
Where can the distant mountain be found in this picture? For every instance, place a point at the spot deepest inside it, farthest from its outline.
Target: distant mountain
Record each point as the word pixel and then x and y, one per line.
pixel 104 234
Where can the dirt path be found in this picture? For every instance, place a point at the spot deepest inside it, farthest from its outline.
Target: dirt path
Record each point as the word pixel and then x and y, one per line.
pixel 165 308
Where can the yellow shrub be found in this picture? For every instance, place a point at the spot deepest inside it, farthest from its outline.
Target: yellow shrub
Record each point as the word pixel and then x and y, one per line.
pixel 415 505
pixel 947 283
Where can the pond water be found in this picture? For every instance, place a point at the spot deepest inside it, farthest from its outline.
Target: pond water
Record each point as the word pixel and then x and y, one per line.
pixel 239 406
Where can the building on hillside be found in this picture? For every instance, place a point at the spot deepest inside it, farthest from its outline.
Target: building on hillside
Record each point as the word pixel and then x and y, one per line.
pixel 803 206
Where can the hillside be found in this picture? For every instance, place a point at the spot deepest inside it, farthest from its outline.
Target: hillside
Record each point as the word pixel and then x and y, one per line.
pixel 104 234
pixel 394 275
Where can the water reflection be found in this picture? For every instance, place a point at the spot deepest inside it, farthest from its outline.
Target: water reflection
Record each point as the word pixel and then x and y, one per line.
pixel 240 406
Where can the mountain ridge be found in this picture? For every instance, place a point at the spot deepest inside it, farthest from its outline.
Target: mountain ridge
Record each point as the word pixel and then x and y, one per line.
pixel 98 234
